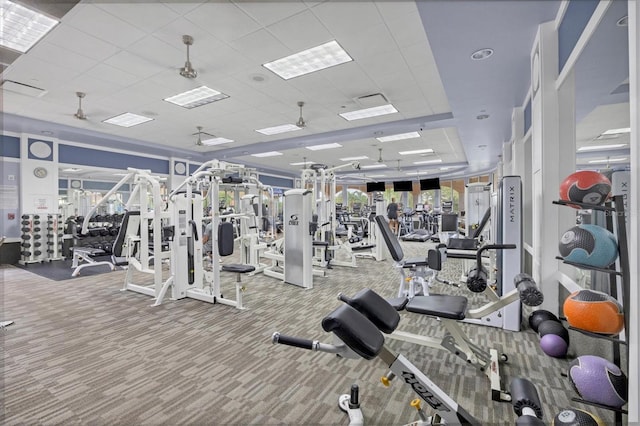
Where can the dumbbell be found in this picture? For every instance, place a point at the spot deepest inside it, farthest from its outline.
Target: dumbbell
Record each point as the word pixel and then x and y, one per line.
pixel 25 216
pixel 25 229
pixel 554 338
pixel 26 253
pixel 26 222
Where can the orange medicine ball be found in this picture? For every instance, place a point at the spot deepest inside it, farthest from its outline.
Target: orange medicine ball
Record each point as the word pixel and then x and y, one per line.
pixel 594 311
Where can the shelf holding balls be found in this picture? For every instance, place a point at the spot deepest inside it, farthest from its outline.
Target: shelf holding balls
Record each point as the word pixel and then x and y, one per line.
pixel 585 186
pixel 599 381
pixel 589 245
pixel 594 311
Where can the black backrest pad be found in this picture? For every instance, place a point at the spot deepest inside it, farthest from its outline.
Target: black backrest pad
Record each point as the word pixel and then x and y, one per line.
pixel 124 231
pixel 355 331
pixel 434 259
pixel 376 309
pixel 390 239
pixel 225 238
pixel 482 224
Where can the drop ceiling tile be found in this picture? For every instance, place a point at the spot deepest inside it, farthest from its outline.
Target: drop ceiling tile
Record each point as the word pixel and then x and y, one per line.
pixel 102 25
pixel 392 10
pixel 418 55
pixel 306 29
pixel 36 72
pixel 351 79
pixel 83 43
pixel 372 41
pixel 113 75
pixel 407 30
pixel 145 16
pixel 61 57
pixel 383 64
pixel 267 13
pixel 223 20
pixel 344 18
pixel 131 63
pixel 182 7
pixel 260 46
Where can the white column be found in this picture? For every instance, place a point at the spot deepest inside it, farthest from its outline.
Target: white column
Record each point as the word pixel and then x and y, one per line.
pixel 634 234
pixel 38 175
pixel 553 158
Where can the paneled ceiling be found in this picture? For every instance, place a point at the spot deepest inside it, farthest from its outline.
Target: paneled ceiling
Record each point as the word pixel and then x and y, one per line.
pixel 125 56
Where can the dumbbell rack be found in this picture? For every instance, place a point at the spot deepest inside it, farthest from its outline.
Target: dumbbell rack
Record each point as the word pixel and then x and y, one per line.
pixel 54 237
pixel 31 249
pixel 615 207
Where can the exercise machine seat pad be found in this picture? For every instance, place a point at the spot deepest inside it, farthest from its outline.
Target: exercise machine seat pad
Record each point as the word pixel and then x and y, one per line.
pixel 238 267
pixel 356 331
pixel 413 262
pixel 377 309
pixel 439 305
pixel 363 247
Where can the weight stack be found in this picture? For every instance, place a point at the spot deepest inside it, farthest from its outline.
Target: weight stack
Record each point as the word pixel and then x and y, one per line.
pixel 32 247
pixel 54 235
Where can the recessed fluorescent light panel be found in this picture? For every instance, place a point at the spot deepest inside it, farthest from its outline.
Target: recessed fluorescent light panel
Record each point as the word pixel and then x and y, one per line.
pixel 71 169
pixel 267 154
pixel 22 27
pixel 608 160
pixel 216 141
pixel 417 151
pixel 376 176
pixel 324 146
pixel 369 112
pixel 374 166
pixel 310 60
pixel 617 131
pixel 301 163
pixel 401 136
pixel 361 157
pixel 601 147
pixel 278 129
pixel 428 161
pixel 197 97
pixel 127 120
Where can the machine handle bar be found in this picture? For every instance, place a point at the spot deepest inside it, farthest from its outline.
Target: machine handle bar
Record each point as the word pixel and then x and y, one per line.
pixel 292 341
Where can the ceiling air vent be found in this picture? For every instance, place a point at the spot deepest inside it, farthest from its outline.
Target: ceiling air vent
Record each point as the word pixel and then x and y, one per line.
pixel 372 100
pixel 23 89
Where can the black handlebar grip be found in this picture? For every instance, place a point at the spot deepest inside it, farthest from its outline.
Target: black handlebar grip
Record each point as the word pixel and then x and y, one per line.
pixel 530 294
pixel 524 394
pixel 292 341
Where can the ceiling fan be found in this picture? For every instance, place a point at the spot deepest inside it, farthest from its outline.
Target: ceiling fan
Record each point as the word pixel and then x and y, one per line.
pixel 301 122
pixel 199 133
pixel 80 115
pixel 188 71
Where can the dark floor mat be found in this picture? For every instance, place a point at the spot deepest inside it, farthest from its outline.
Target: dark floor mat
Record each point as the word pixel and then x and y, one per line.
pixel 60 270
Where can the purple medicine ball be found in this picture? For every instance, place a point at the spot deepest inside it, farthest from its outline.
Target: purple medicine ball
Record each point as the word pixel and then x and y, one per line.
pixel 554 345
pixel 598 380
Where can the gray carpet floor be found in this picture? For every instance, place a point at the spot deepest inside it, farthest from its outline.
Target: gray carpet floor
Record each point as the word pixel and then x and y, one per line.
pixel 83 352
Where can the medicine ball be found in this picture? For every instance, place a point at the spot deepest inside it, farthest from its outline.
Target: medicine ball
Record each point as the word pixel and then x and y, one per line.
pixel 575 417
pixel 554 345
pixel 553 327
pixel 589 245
pixel 594 311
pixel 586 186
pixel 598 380
pixel 537 317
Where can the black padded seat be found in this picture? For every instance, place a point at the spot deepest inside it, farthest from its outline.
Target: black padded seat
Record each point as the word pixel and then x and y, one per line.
pixel 238 268
pixel 356 331
pixel 363 247
pixel 417 261
pixel 461 254
pixel 398 303
pixel 439 305
pixel 321 244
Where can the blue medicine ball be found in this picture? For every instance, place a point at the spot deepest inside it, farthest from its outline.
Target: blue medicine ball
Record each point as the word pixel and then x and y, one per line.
pixel 589 245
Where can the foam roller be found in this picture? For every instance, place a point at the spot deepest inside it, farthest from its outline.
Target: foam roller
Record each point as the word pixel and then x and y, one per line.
pixel 524 396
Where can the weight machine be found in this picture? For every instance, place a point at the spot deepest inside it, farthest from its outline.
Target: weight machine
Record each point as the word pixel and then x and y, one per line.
pixel 188 278
pixel 141 253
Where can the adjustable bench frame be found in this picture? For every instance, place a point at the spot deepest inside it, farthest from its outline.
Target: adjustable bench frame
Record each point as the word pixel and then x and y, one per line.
pixel 85 254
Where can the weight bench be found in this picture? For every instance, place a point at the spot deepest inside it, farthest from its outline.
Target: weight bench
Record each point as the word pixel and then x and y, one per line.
pixel 421 270
pixel 450 310
pixel 86 254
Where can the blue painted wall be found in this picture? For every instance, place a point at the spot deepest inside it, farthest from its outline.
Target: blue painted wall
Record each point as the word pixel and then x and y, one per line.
pixel 9 146
pixel 113 160
pixel 573 23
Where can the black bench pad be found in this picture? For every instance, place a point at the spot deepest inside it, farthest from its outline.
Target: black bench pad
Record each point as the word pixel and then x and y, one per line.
pixel 363 247
pixel 238 267
pixel 417 261
pixel 378 310
pixel 439 305
pixel 356 331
